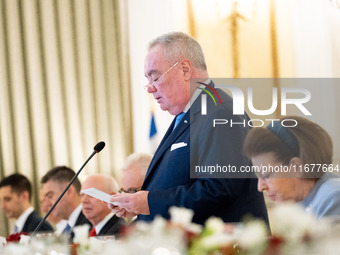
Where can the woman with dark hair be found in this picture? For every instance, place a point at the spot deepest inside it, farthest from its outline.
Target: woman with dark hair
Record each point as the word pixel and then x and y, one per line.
pixel 292 158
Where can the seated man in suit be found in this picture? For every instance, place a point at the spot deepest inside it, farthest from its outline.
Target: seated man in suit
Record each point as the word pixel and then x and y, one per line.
pixel 45 205
pixel 69 207
pixel 133 172
pixel 104 222
pixel 15 196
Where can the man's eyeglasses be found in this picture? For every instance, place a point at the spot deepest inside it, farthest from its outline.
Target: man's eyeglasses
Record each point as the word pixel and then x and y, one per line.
pixel 152 85
pixel 130 190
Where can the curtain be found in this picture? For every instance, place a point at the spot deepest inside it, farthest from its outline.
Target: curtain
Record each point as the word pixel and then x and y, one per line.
pixel 64 86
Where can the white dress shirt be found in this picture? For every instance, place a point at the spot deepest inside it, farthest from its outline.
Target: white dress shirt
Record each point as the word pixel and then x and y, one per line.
pixel 101 224
pixel 60 226
pixel 74 216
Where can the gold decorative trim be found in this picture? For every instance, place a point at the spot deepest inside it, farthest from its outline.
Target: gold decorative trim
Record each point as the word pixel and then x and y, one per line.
pixel 191 16
pixel 275 55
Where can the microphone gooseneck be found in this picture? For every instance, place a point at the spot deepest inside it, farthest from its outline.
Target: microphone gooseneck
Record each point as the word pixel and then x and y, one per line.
pixel 97 148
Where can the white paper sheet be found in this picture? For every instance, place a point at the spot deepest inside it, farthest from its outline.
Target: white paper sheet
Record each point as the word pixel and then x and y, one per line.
pixel 93 192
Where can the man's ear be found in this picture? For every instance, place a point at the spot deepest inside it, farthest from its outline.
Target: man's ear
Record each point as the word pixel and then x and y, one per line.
pixel 71 190
pixel 25 195
pixel 186 69
pixel 296 163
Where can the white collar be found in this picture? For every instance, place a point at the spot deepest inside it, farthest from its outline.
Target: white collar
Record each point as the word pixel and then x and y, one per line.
pixel 101 224
pixel 20 222
pixel 60 226
pixel 74 216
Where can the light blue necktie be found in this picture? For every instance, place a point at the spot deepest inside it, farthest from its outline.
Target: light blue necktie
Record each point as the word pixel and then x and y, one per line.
pixel 179 117
pixel 16 229
pixel 67 229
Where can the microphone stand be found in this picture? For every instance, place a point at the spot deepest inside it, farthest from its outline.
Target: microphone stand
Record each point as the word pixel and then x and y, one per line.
pixel 96 150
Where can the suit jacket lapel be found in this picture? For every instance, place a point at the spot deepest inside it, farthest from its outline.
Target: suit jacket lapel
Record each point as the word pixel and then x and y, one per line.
pixel 25 228
pixel 169 138
pixel 112 226
pixel 157 154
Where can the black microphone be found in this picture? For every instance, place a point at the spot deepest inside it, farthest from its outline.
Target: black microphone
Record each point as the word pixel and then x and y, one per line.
pixel 99 146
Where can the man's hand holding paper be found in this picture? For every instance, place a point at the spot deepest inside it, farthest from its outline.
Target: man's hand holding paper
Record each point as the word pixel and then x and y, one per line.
pixel 130 205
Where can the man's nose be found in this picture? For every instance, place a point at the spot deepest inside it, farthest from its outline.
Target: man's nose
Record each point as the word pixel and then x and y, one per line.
pixel 261 185
pixel 151 89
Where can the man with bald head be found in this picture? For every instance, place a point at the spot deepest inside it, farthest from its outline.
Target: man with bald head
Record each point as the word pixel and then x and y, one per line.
pixel 134 170
pixel 103 220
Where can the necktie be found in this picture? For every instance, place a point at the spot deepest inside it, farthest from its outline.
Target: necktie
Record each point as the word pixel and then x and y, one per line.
pixel 67 229
pixel 15 229
pixel 93 232
pixel 179 117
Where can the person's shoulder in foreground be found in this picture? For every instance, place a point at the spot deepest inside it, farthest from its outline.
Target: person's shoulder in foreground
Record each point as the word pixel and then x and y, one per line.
pixel 324 200
pixel 33 221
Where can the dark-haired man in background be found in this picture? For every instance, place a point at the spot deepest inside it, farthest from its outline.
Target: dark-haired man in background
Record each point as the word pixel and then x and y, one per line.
pixel 69 207
pixel 15 197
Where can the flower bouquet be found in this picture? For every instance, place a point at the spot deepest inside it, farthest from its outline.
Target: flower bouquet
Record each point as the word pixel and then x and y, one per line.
pixel 15 244
pixel 292 231
pixel 20 237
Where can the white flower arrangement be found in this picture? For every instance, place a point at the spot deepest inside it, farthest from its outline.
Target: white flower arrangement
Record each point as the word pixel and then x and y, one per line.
pixel 293 231
pixel 183 217
pixel 24 239
pixel 81 235
pixel 252 236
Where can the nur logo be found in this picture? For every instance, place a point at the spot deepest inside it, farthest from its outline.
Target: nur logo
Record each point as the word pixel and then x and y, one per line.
pixel 204 97
pixel 301 95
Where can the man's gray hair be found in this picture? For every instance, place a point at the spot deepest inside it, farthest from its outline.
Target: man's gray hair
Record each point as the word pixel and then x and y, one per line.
pixel 140 159
pixel 178 46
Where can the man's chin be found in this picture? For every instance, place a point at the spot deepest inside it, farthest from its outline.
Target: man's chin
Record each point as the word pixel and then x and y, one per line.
pixel 10 216
pixel 87 214
pixel 163 107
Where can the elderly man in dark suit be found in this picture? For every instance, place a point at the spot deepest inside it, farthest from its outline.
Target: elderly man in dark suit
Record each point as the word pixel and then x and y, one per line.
pixel 15 196
pixel 175 68
pixel 103 220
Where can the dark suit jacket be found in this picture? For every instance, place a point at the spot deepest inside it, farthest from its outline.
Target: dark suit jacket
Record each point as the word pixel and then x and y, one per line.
pixel 168 177
pixel 112 227
pixel 81 220
pixel 33 221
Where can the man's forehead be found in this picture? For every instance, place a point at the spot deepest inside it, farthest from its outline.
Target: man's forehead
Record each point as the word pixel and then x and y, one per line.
pixel 151 63
pixel 154 59
pixel 45 189
pixel 6 190
pixel 157 49
pixel 93 184
pixel 53 184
